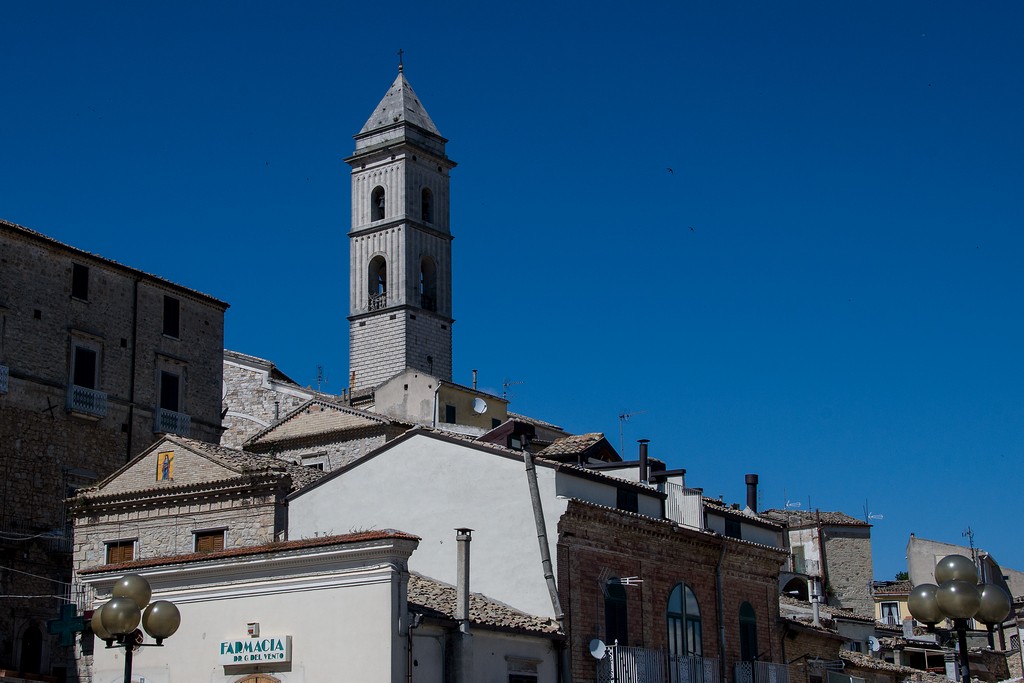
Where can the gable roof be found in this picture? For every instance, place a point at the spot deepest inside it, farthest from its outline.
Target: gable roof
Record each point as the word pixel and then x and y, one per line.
pixel 239 463
pixel 316 417
pixel 494 449
pixel 437 599
pixel 800 518
pixel 580 447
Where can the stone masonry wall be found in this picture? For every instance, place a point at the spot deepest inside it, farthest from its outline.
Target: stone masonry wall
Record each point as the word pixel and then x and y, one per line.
pixel 46 450
pixel 254 401
pixel 849 568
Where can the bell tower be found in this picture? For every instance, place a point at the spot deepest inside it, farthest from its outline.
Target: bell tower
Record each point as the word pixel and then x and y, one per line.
pixel 400 283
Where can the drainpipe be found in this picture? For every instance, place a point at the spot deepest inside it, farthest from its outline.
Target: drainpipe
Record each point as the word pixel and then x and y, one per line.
pixel 463 638
pixel 565 672
pixel 720 604
pixel 131 381
pixel 436 389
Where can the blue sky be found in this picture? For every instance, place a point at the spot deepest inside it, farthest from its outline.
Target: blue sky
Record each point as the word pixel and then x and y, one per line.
pixel 824 290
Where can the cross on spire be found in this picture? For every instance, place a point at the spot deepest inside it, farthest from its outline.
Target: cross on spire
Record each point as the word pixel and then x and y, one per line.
pixel 400 53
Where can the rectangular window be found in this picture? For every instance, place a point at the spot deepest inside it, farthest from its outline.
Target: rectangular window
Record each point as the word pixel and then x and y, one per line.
pixel 733 529
pixel 120 551
pixel 627 500
pixel 80 282
pixel 83 373
pixel 449 414
pixel 172 316
pixel 522 678
pixel 170 391
pixel 891 613
pixel 209 541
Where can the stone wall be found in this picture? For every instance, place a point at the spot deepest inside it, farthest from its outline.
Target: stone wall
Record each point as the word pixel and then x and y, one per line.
pixel 46 449
pixel 849 569
pixel 254 399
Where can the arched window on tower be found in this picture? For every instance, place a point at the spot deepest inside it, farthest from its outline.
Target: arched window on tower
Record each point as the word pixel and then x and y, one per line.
pixel 683 620
pixel 748 633
pixel 428 284
pixel 427 205
pixel 378 283
pixel 377 204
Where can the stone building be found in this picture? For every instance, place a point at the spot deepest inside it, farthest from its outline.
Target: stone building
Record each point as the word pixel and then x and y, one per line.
pixel 97 359
pixel 256 395
pixel 400 289
pixel 832 550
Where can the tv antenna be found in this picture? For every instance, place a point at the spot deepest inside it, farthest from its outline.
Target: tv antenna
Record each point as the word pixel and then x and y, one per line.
pixel 506 384
pixel 321 376
pixel 623 419
pixel 868 515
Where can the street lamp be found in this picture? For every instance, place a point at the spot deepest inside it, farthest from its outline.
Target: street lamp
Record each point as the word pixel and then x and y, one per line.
pixel 117 621
pixel 959 597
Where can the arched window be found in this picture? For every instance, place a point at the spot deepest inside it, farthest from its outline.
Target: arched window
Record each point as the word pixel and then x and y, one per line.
pixel 378 283
pixel 748 633
pixel 377 204
pixel 427 205
pixel 615 615
pixel 428 284
pixel 683 617
pixel 258 678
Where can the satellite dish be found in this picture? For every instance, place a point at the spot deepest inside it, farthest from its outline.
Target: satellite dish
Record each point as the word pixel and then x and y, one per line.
pixel 874 644
pixel 598 649
pixel 479 406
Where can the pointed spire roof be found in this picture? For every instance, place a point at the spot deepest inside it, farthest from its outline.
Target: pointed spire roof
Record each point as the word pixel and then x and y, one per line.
pixel 400 104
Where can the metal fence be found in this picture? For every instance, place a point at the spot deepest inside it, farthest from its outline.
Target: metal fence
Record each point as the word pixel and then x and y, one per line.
pixel 684 506
pixel 761 672
pixel 87 401
pixel 643 665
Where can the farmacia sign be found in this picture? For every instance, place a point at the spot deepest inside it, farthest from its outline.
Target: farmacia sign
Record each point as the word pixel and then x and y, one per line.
pixel 266 650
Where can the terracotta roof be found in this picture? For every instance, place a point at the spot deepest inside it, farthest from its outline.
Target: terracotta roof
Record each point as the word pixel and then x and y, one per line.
pixel 893 588
pixel 437 599
pixel 794 518
pixel 235 460
pixel 827 613
pixel 744 514
pixel 572 445
pixel 865 661
pixel 32 234
pixel 284 546
pixel 315 418
pixel 534 421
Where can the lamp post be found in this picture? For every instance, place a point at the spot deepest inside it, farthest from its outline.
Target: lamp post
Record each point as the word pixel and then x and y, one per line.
pixel 117 621
pixel 958 597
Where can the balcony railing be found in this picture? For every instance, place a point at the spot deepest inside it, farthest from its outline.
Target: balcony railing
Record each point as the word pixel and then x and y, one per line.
pixel 643 665
pixel 89 402
pixel 170 422
pixel 684 506
pixel 5 375
pixel 761 672
pixel 377 301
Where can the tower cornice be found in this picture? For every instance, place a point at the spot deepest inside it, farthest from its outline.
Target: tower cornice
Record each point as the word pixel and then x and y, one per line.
pixel 397 222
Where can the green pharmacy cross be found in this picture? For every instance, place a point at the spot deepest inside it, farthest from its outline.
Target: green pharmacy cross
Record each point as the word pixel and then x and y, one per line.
pixel 67 625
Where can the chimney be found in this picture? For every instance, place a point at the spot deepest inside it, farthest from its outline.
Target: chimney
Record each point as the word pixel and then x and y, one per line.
pixel 463 537
pixel 643 459
pixel 751 480
pixel 474 380
pixel 462 639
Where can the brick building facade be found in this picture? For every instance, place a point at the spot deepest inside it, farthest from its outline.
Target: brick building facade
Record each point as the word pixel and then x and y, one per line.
pixel 610 556
pixel 96 360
